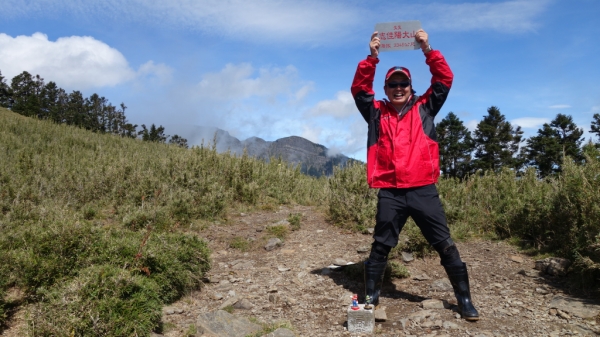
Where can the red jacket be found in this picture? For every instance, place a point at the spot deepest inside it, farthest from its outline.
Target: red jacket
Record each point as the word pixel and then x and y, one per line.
pixel 402 148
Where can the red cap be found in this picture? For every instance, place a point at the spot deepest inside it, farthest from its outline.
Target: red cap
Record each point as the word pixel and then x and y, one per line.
pixel 395 70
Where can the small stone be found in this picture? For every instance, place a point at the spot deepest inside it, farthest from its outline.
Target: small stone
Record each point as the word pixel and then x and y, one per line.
pixel 380 314
pixel 407 257
pixel 435 304
pixel 340 262
pixel 243 304
pixel 273 243
pixel 363 249
pixel 450 325
pixel 371 230
pixel 422 277
pixel 282 269
pixel 563 314
pixel 319 231
pixel 217 296
pixel 529 273
pixel 517 259
pixel 457 316
pixel 441 284
pixel 542 291
pixel 227 303
pixel 273 298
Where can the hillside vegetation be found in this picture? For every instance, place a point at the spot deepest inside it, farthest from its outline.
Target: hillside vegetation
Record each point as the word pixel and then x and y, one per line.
pixel 100 231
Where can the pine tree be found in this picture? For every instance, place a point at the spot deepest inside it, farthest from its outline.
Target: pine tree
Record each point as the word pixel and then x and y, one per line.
pixel 5 93
pixel 179 141
pixel 496 142
pixel 553 142
pixel 456 144
pixel 155 134
pixel 596 128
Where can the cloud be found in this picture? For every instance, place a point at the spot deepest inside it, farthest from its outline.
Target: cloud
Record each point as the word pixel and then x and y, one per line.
pixel 76 62
pixel 342 106
pixel 506 17
pixel 293 21
pixel 307 22
pixel 236 83
pixel 559 106
pixel 472 124
pixel 530 122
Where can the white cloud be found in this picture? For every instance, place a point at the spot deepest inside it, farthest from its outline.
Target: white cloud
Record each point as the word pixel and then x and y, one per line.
pixel 472 125
pixel 530 122
pixel 291 22
pixel 342 106
pixel 559 106
pixel 294 21
pixel 506 17
pixel 238 83
pixel 76 62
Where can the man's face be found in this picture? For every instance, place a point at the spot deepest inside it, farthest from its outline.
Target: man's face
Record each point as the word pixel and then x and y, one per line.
pixel 401 91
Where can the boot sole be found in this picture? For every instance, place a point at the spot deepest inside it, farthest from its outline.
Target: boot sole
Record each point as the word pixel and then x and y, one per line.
pixel 471 319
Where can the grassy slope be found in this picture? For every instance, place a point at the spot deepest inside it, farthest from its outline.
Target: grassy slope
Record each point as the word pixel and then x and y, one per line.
pixel 96 227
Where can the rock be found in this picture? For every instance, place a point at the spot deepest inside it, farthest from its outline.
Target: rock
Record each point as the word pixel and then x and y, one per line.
pixel 516 258
pixel 222 323
pixel 280 223
pixel 576 307
pixel 563 314
pixel 363 249
pixel 370 230
pixel 542 291
pixel 449 325
pixel 435 304
pixel 441 285
pixel 282 269
pixel 243 304
pixel 530 273
pixel 422 277
pixel 274 298
pixel 419 316
pixel 217 296
pixel 273 243
pixel 281 332
pixel 227 303
pixel 552 312
pixel 407 257
pixel 553 266
pixel 340 262
pixel 380 314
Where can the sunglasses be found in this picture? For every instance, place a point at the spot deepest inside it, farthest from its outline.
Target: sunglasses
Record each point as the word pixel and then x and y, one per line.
pixel 402 84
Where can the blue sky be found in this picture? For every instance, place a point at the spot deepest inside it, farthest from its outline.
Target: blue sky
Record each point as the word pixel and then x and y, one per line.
pixel 276 68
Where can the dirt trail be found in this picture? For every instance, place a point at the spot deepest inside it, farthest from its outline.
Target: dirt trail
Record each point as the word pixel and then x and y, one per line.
pixel 290 284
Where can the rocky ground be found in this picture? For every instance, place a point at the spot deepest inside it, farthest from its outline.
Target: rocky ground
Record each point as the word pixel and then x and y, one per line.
pixel 293 285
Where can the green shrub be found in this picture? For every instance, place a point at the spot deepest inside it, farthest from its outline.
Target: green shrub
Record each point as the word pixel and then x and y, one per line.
pixel 294 220
pixel 102 300
pixel 352 204
pixel 279 231
pixel 398 270
pixel 240 243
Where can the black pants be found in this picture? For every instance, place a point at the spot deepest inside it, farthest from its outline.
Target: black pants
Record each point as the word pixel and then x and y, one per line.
pixel 423 204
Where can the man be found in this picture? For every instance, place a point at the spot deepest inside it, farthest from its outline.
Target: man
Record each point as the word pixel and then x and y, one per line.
pixel 403 162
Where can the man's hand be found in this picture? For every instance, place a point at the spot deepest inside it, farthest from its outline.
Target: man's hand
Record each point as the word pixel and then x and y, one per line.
pixel 374 45
pixel 423 39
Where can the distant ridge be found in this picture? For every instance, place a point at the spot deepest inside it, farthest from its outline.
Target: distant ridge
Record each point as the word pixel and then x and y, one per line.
pixel 312 158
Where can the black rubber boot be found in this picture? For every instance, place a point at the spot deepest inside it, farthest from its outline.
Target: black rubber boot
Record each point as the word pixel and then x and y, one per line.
pixel 373 280
pixel 460 282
